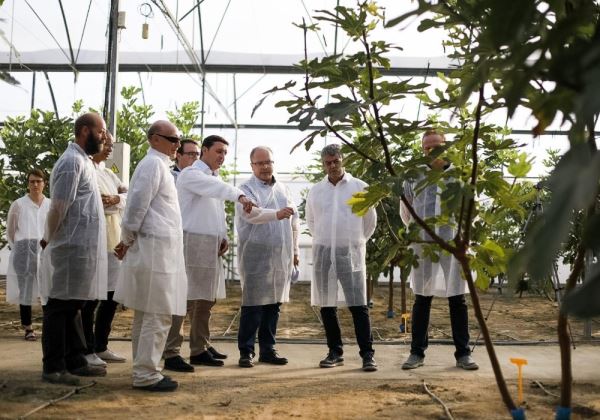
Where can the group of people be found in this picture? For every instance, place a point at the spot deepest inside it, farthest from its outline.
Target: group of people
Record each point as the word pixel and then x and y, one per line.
pixel 157 248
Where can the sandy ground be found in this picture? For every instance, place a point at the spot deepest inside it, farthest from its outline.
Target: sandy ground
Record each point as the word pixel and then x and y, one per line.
pixel 301 389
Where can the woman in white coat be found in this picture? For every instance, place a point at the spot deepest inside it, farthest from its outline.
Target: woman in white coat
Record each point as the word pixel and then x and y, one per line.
pixel 24 229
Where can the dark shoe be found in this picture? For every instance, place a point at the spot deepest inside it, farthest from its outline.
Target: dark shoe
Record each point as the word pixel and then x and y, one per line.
pixel 89 370
pixel 206 359
pixel 466 363
pixel 177 364
pixel 166 384
pixel 369 364
pixel 272 358
pixel 332 360
pixel 216 354
pixel 62 378
pixel 414 361
pixel 246 360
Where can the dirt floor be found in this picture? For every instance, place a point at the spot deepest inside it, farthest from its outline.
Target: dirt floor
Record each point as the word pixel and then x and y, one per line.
pixel 301 389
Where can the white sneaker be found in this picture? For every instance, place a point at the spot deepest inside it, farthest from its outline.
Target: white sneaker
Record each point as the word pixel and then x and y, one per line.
pixel 94 360
pixel 109 356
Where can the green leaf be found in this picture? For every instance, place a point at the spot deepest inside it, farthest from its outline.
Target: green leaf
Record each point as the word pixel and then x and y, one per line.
pixel 584 302
pixel 520 167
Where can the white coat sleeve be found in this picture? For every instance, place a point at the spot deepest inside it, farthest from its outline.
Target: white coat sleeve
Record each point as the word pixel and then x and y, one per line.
pixel 296 232
pixel 143 190
pixel 120 187
pixel 12 222
pixel 209 186
pixel 369 222
pixel 257 216
pixel 63 190
pixel 309 212
pixel 404 213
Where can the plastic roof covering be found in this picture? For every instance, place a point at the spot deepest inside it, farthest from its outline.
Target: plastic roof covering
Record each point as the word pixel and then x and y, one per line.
pixel 236 32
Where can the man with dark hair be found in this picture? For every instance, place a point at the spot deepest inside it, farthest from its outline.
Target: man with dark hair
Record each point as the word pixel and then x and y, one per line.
pixel 187 154
pixel 200 191
pixel 441 278
pixel 153 281
pixel 74 265
pixel 267 251
pixel 339 249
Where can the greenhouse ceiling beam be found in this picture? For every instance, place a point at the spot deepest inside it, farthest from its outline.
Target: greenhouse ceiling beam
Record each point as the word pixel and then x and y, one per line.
pixel 207 68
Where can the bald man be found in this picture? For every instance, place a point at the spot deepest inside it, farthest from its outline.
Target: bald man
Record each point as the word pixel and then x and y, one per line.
pixel 153 281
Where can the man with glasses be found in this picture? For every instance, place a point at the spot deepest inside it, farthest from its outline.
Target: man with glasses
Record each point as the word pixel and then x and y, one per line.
pixel 339 249
pixel 73 260
pixel 202 193
pixel 187 154
pixel 153 281
pixel 267 250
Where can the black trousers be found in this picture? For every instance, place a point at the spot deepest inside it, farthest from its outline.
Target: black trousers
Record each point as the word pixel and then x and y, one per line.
pixel 459 321
pixel 25 312
pixel 362 329
pixel 63 344
pixel 262 318
pixel 96 339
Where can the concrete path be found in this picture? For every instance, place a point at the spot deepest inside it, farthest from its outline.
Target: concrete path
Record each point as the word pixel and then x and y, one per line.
pixel 16 355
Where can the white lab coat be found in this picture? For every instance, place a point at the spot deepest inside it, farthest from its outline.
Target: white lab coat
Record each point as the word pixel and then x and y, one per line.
pixel 109 184
pixel 152 275
pixel 24 229
pixel 442 279
pixel 266 246
pixel 339 243
pixel 201 198
pixel 73 265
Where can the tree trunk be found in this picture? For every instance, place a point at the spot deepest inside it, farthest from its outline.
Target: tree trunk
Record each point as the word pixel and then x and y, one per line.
pixel 403 277
pixel 390 313
pixel 485 333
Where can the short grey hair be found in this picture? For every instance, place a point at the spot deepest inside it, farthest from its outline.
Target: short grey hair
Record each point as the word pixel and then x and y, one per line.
pixel 332 150
pixel 257 148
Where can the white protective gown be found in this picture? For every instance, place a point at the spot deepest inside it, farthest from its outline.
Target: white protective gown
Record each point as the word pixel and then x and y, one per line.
pixel 442 279
pixel 152 277
pixel 109 184
pixel 266 246
pixel 73 264
pixel 339 243
pixel 201 197
pixel 24 229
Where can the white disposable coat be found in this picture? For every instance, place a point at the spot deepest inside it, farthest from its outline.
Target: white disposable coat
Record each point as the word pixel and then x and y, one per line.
pixel 266 246
pixel 73 265
pixel 152 277
pixel 24 229
pixel 201 197
pixel 443 278
pixel 339 243
pixel 109 184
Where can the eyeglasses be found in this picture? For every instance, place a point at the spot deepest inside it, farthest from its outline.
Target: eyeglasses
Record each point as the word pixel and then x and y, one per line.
pixel 192 154
pixel 172 139
pixel 263 163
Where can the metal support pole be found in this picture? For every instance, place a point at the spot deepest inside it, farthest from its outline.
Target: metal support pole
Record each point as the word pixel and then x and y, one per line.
pixel 587 324
pixel 111 112
pixel 203 62
pixel 33 91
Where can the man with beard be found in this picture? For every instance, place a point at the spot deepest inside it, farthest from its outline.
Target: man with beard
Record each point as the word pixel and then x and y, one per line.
pixel 201 192
pixel 153 281
pixel 339 249
pixel 73 267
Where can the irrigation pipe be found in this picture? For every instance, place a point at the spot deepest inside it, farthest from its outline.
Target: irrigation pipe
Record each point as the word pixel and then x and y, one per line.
pixel 439 401
pixel 51 402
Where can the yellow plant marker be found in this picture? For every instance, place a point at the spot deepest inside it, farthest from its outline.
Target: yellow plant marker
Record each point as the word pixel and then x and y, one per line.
pixel 520 363
pixel 404 319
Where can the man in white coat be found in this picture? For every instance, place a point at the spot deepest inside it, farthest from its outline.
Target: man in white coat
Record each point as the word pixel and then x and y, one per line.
pixel 339 249
pixel 430 278
pixel 201 198
pixel 152 280
pixel 267 250
pixel 73 260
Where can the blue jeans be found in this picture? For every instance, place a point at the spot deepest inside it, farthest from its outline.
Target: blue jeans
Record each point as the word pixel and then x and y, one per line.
pixel 263 319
